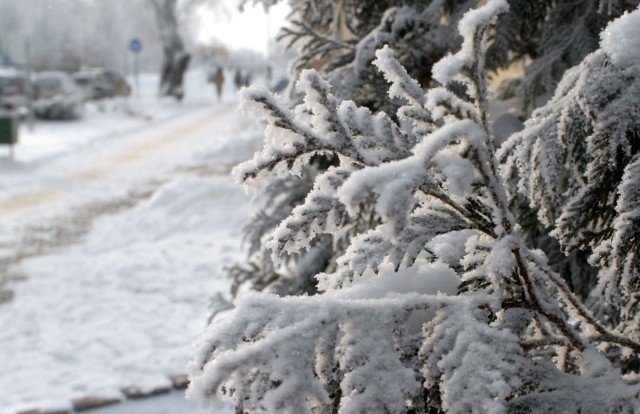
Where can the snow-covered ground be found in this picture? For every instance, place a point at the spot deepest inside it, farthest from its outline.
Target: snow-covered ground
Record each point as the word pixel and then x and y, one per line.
pixel 113 234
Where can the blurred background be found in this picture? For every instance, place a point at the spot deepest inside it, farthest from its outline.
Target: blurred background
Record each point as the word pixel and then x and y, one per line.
pixel 104 46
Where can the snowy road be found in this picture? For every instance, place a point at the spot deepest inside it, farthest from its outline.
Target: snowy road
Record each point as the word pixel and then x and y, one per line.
pixel 114 165
pixel 110 253
pixel 51 202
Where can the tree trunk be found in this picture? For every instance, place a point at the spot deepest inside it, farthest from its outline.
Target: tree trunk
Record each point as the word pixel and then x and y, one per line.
pixel 175 58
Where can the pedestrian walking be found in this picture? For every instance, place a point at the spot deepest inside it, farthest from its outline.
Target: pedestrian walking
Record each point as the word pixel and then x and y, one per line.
pixel 219 81
pixel 237 79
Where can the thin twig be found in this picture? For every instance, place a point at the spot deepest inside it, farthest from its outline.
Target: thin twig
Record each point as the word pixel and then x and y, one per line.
pixel 576 341
pixel 570 299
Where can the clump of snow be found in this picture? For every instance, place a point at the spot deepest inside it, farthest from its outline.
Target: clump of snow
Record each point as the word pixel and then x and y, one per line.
pixel 393 182
pixel 426 278
pixel 460 174
pixel 423 278
pixel 501 261
pixel 402 85
pixel 448 68
pixel 450 247
pixel 447 135
pixel 621 40
pixel 481 16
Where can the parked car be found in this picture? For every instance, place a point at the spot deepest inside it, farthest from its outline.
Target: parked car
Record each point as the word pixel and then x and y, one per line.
pixel 101 83
pixel 56 96
pixel 91 85
pixel 13 91
pixel 120 85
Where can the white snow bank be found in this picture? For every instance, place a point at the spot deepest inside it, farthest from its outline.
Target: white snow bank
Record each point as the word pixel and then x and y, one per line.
pixel 450 247
pixel 621 40
pixel 173 403
pixel 124 307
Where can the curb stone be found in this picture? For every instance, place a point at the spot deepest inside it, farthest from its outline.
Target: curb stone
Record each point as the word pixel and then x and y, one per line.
pixel 35 411
pixel 129 393
pixel 91 402
pixel 180 382
pixel 136 393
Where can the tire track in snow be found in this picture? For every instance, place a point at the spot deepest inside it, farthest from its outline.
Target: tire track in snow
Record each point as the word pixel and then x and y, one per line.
pixel 35 198
pixel 143 149
pixel 65 229
pixel 26 200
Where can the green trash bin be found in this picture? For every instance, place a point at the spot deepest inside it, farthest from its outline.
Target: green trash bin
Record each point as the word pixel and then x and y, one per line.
pixel 8 128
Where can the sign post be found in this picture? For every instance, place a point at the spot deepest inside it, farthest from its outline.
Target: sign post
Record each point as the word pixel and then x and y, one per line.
pixel 135 47
pixel 9 130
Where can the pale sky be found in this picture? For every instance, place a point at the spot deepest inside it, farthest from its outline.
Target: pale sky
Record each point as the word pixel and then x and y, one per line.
pixel 248 29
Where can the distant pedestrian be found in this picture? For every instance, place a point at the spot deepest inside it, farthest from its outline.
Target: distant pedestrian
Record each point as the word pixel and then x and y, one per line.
pixel 237 79
pixel 246 80
pixel 219 81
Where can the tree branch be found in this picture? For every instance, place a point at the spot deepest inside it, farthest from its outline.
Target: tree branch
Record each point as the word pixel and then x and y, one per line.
pixel 576 341
pixel 604 334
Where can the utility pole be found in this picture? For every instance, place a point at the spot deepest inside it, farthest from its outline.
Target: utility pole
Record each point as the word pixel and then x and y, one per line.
pixel 28 87
pixel 269 69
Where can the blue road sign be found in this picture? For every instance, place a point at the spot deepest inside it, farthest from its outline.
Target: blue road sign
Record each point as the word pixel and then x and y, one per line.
pixel 135 45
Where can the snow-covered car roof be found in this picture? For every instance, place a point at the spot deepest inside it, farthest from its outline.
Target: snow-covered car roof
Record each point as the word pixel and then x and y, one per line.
pixel 11 72
pixel 51 74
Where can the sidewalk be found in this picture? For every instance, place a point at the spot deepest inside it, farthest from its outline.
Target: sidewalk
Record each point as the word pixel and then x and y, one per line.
pixel 114 313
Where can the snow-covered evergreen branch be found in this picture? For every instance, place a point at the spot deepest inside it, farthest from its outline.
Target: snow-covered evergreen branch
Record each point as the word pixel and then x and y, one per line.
pixel 439 304
pixel 576 161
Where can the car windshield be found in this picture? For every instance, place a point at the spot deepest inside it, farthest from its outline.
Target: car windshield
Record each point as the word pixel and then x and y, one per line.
pixel 84 80
pixel 48 84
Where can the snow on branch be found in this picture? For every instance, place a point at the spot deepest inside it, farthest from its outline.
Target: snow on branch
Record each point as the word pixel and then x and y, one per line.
pixel 264 354
pixel 479 366
pixel 438 304
pixel 576 161
pixel 473 27
pixel 373 250
pixel 402 85
pixel 321 213
pixel 619 256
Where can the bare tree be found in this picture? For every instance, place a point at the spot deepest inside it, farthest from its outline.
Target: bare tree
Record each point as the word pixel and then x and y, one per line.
pixel 175 57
